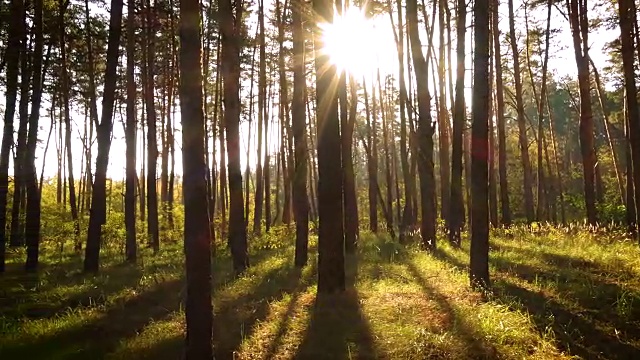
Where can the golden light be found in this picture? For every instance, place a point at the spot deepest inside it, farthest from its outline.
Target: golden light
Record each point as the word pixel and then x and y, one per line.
pixel 356 44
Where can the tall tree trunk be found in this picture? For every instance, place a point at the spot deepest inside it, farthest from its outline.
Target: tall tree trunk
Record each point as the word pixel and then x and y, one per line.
pixel 15 34
pixel 579 30
pixel 425 131
pixel 627 10
pixel 479 263
pixel 372 161
pixel 67 120
pixel 197 238
pixel 443 121
pixel 409 185
pixel 230 27
pixel 130 139
pixel 387 157
pixel 505 205
pixel 331 271
pixel 262 89
pixel 349 182
pixel 300 200
pixel 98 215
pixel 16 235
pixel 456 218
pixel 607 133
pixel 93 103
pixel 32 227
pixel 152 146
pixel 522 127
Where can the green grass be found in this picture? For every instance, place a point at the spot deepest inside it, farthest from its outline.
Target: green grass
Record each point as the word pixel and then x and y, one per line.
pixel 558 293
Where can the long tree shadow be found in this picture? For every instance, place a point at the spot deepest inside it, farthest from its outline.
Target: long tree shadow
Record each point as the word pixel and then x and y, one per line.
pixel 597 298
pixel 575 333
pixel 337 328
pixel 599 301
pixel 102 333
pixel 476 349
pixel 235 319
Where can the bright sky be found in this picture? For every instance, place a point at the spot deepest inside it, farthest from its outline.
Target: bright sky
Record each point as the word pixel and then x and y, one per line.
pixel 360 46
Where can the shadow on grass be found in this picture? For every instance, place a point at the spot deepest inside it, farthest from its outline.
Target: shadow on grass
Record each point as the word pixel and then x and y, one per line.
pixel 235 320
pixel 101 334
pixel 476 349
pixel 21 298
pixel 593 329
pixel 337 328
pixel 575 333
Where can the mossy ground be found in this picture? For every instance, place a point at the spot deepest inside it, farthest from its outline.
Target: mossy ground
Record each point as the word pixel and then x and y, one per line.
pixel 557 293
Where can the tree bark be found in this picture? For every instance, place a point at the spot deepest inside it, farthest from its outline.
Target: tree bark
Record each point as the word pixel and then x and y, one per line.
pixel 522 127
pixel 579 30
pixel 331 271
pixel 479 252
pixel 425 131
pixel 98 196
pixel 67 120
pixel 627 11
pixel 130 139
pixel 300 200
pixel 197 237
pixel 230 27
pixel 456 218
pixel 32 226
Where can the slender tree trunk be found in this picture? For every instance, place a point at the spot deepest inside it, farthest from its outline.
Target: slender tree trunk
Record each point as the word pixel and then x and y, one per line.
pixel 522 127
pixel 32 226
pixel 300 200
pixel 505 205
pixel 605 120
pixel 67 121
pixel 372 162
pixel 627 10
pixel 579 30
pixel 130 139
pixel 230 27
pixel 16 235
pixel 409 186
pixel 443 121
pixel 11 80
pixel 98 203
pixel 456 218
pixel 152 146
pixel 425 131
pixel 262 89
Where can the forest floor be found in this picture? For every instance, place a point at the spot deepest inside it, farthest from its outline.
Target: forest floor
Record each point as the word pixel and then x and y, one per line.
pixel 557 293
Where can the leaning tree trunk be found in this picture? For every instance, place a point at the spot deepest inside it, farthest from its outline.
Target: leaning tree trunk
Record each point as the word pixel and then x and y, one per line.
pixel 522 127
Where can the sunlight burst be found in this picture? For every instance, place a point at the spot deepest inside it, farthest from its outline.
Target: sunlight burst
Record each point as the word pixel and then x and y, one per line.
pixel 353 42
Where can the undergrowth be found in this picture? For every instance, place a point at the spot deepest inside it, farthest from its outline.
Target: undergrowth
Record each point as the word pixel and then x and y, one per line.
pixel 557 293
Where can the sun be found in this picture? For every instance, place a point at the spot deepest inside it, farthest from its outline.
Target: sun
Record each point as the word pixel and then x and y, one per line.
pixel 355 43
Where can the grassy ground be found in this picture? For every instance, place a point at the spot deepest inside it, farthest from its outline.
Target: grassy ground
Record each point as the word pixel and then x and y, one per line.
pixel 557 294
